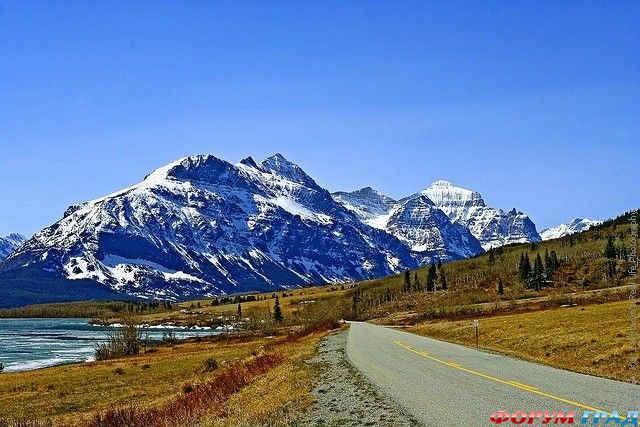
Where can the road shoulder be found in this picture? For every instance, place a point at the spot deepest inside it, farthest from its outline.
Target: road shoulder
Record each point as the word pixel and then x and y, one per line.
pixel 343 396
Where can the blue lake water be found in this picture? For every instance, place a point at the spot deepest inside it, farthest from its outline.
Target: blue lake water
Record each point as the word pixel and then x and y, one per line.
pixel 37 343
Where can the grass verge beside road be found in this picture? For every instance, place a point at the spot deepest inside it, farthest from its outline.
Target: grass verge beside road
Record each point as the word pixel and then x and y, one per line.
pixel 592 339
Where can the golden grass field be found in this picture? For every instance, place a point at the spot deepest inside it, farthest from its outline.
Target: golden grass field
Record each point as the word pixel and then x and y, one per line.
pixel 71 394
pixel 592 339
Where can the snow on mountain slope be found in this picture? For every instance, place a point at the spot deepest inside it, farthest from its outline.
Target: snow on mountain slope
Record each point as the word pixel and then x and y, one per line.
pixel 201 226
pixel 574 226
pixel 416 221
pixel 368 204
pixel 9 243
pixel 466 209
pixel 429 232
pixel 491 226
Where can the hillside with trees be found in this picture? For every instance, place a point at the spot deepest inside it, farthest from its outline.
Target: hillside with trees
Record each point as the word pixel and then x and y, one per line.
pixel 591 265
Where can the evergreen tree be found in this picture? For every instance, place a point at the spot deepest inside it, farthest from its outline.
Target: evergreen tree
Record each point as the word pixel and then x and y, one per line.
pixel 277 312
pixel 551 264
pixel 492 257
pixel 239 311
pixel 611 268
pixel 537 274
pixel 500 286
pixel 431 278
pixel 554 260
pixel 521 267
pixel 355 302
pixel 443 280
pixel 406 285
pixel 416 282
pixel 439 263
pixel 610 249
pixel 524 267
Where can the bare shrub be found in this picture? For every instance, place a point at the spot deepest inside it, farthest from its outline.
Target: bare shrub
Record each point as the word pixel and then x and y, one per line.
pixel 169 337
pixel 125 341
pixel 210 365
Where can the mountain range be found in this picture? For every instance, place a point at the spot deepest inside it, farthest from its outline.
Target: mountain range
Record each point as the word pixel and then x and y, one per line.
pixel 9 243
pixel 201 226
pixel 574 226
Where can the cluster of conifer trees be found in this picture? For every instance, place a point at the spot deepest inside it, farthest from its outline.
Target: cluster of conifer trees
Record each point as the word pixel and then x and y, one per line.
pixel 541 273
pixel 436 278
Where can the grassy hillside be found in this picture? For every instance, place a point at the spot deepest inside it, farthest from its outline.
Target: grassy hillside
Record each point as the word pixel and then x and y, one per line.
pixel 581 270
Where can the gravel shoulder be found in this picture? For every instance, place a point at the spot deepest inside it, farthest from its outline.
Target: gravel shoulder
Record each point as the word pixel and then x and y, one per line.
pixel 343 396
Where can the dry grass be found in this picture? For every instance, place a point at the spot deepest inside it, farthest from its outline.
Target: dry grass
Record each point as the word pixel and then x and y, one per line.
pixel 277 398
pixel 592 339
pixel 196 403
pixel 71 395
pixel 206 314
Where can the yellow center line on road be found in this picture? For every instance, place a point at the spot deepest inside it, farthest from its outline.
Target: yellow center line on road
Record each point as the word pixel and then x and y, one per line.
pixel 515 384
pixel 523 385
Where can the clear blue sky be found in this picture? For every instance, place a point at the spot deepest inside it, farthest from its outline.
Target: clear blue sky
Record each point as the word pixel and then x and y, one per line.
pixel 534 104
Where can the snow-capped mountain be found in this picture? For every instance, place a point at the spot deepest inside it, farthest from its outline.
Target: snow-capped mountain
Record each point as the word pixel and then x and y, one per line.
pixel 491 226
pixel 368 204
pixel 201 226
pixel 9 243
pixel 574 226
pixel 428 231
pixel 443 220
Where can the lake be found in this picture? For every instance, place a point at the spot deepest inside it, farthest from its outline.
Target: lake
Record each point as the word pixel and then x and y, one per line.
pixel 37 343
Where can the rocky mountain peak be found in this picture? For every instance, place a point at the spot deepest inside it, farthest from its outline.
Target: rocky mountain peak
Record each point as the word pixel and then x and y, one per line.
pixel 9 243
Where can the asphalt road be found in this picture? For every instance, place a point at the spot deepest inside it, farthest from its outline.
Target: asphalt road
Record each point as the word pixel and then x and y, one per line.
pixel 443 384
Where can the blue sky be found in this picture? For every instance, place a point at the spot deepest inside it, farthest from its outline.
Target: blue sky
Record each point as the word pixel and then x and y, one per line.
pixel 534 104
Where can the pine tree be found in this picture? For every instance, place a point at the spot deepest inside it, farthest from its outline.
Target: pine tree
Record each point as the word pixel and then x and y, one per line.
pixel 610 249
pixel 611 268
pixel 443 280
pixel 355 302
pixel 500 286
pixel 492 257
pixel 554 260
pixel 406 285
pixel 521 267
pixel 551 264
pixel 416 282
pixel 537 274
pixel 524 268
pixel 239 311
pixel 439 263
pixel 431 278
pixel 277 312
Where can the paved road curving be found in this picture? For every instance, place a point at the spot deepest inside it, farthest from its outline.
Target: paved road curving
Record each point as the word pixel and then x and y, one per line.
pixel 444 384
